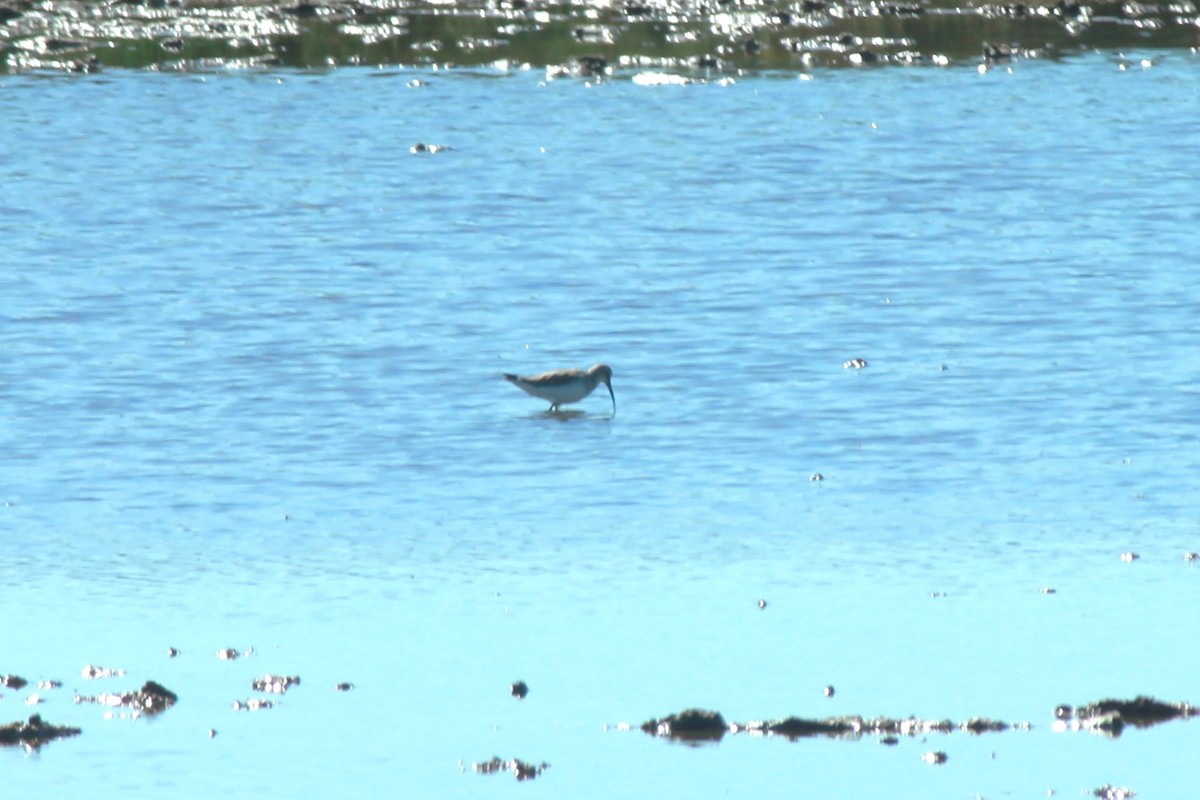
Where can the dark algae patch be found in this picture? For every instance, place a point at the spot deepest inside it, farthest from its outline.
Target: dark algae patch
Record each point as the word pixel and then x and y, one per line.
pixel 579 40
pixel 34 733
pixel 152 698
pixel 14 682
pixel 1108 717
pixel 1111 717
pixel 695 725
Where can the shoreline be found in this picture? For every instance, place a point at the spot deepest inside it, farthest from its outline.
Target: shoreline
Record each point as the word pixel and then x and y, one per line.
pixel 584 40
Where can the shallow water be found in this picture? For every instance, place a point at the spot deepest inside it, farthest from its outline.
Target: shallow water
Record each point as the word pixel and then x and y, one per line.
pixel 250 349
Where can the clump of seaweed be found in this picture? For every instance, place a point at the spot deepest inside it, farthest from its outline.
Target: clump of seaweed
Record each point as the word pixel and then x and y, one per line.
pixel 693 725
pixel 1110 717
pixel 152 698
pixel 34 733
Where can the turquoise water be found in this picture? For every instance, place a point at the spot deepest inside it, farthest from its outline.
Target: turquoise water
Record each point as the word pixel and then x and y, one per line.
pixel 250 349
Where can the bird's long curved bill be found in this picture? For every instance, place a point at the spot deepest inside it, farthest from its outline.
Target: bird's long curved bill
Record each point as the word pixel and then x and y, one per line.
pixel 614 398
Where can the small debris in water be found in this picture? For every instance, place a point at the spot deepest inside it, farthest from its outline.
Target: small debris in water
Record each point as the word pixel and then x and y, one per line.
pixel 520 689
pixel 762 603
pixel 1048 590
pixel 978 725
pixel 855 363
pixel 430 149
pixel 90 673
pixel 935 757
pixel 253 704
pixel 275 684
pixel 343 687
pixel 816 476
pixel 521 769
pixel 48 685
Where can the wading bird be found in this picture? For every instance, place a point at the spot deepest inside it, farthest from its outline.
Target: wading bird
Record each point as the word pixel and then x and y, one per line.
pixel 566 385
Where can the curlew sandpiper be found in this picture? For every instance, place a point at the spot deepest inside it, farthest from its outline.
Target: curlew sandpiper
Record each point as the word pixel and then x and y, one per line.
pixel 565 385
